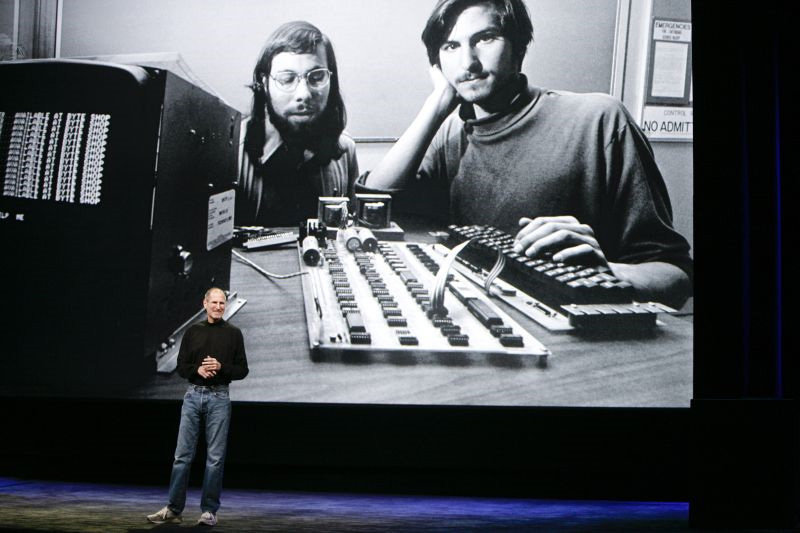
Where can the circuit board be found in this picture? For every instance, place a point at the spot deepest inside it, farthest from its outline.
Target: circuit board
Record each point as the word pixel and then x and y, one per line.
pixel 378 306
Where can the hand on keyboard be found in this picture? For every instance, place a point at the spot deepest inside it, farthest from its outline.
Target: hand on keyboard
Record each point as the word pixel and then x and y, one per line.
pixel 564 236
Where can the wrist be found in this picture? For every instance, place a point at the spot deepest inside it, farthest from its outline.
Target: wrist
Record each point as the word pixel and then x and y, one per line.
pixel 440 103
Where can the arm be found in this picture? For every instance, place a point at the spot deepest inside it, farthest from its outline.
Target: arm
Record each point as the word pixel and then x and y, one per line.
pixel 185 366
pixel 574 242
pixel 656 281
pixel 630 218
pixel 403 160
pixel 237 367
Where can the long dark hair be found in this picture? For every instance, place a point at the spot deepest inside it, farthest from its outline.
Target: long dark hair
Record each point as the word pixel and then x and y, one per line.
pixel 515 24
pixel 298 37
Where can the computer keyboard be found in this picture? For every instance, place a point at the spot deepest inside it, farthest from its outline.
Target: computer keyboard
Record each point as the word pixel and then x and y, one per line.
pixel 268 241
pixel 257 237
pixel 588 296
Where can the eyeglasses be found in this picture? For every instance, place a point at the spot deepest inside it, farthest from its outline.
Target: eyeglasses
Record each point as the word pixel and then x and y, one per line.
pixel 315 79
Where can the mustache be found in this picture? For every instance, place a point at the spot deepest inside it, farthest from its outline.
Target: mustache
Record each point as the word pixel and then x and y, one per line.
pixel 304 108
pixel 471 76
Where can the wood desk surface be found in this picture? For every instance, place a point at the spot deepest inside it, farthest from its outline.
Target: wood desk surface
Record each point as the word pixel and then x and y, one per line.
pixel 650 371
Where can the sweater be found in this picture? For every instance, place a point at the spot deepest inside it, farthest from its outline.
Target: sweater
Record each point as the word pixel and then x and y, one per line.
pixel 219 340
pixel 554 153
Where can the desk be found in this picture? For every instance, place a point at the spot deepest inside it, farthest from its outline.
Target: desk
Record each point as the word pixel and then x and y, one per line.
pixel 651 371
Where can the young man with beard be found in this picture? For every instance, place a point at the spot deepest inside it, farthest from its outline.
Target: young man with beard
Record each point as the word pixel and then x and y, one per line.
pixel 295 148
pixel 564 172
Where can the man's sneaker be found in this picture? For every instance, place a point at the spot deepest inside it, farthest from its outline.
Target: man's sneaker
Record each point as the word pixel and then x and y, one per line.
pixel 208 518
pixel 165 516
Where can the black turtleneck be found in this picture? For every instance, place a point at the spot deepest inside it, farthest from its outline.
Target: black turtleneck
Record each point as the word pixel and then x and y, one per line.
pixel 219 340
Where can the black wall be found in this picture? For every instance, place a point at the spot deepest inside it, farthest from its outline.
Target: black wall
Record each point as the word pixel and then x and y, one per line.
pixel 744 419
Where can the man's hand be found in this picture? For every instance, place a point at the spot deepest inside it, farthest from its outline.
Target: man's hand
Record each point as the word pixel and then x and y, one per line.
pixel 443 93
pixel 209 367
pixel 574 242
pixel 565 236
pixel 402 162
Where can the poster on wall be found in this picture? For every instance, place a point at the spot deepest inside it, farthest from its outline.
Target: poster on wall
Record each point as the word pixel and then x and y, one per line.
pixel 667 113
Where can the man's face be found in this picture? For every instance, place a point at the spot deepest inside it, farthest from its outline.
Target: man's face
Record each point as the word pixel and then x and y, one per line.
pixel 214 306
pixel 475 58
pixel 298 110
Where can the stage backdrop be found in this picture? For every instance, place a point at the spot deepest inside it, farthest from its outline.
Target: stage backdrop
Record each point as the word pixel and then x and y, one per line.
pixel 579 45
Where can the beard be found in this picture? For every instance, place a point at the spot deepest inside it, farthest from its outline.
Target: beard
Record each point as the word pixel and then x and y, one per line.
pixel 306 135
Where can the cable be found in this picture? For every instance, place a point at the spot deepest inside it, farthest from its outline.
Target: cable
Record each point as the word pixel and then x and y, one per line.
pixel 437 299
pixel 264 272
pixel 440 282
pixel 498 267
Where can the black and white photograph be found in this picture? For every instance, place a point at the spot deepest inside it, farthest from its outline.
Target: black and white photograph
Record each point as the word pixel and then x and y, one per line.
pixel 171 160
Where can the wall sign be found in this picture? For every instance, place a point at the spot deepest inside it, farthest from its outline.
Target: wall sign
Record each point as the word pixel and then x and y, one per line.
pixel 667 112
pixel 668 122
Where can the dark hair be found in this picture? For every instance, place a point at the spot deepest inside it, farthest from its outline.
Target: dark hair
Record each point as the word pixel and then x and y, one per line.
pixel 515 25
pixel 298 37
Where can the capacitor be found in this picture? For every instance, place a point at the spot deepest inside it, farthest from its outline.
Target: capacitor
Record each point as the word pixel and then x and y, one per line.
pixel 311 251
pixel 368 241
pixel 321 233
pixel 351 239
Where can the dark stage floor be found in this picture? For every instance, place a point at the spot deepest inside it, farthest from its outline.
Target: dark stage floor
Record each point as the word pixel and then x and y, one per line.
pixel 58 506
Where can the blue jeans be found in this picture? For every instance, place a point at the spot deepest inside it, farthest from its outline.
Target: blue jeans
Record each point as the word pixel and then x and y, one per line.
pixel 211 405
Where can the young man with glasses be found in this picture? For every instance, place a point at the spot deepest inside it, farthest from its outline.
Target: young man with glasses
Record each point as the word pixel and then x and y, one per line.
pixel 295 148
pixel 567 173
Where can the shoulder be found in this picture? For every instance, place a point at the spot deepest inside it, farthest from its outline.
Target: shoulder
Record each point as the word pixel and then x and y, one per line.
pixel 591 104
pixel 231 328
pixel 596 111
pixel 347 144
pixel 347 141
pixel 223 329
pixel 451 131
pixel 195 329
pixel 453 124
pixel 224 324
